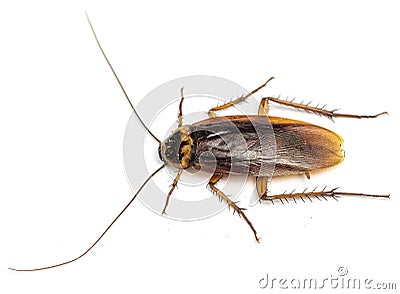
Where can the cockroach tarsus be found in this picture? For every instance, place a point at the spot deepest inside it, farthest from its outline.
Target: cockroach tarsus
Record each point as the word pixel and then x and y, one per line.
pixel 301 148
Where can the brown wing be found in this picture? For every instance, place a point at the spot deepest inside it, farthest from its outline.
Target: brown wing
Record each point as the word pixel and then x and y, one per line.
pixel 303 147
pixel 251 144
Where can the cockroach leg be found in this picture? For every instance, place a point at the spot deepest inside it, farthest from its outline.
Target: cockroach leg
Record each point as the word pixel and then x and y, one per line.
pixel 211 112
pixel 214 179
pixel 174 184
pixel 261 186
pixel 333 193
pixel 180 110
pixel 307 175
pixel 263 108
pixel 320 110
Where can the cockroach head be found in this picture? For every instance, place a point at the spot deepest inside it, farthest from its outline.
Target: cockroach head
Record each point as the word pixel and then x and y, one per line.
pixel 177 150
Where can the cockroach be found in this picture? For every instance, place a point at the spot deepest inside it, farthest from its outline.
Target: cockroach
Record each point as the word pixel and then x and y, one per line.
pixel 300 148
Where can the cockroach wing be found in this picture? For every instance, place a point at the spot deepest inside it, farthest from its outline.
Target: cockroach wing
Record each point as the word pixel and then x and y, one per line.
pixel 263 146
pixel 304 147
pixel 242 145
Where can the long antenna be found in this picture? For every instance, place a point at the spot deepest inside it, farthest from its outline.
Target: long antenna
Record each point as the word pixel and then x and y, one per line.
pixel 98 239
pixel 119 82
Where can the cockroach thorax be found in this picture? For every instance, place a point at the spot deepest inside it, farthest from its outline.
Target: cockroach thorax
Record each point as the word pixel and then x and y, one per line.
pixel 177 149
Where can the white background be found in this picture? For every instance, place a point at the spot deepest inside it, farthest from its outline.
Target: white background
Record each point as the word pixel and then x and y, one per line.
pixel 62 122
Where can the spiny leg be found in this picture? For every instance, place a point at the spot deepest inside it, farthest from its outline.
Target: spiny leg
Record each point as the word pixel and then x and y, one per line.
pixel 261 186
pixel 320 110
pixel 174 184
pixel 333 193
pixel 211 112
pixel 263 108
pixel 214 179
pixel 180 110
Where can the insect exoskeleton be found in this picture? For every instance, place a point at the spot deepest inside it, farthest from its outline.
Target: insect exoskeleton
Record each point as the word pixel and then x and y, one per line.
pixel 235 143
pixel 178 150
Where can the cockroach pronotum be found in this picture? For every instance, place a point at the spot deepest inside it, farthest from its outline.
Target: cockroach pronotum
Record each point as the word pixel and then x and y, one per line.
pixel 300 148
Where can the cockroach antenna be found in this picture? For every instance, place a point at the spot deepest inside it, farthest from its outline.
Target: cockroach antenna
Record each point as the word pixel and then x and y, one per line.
pixel 99 238
pixel 119 82
pixel 134 196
